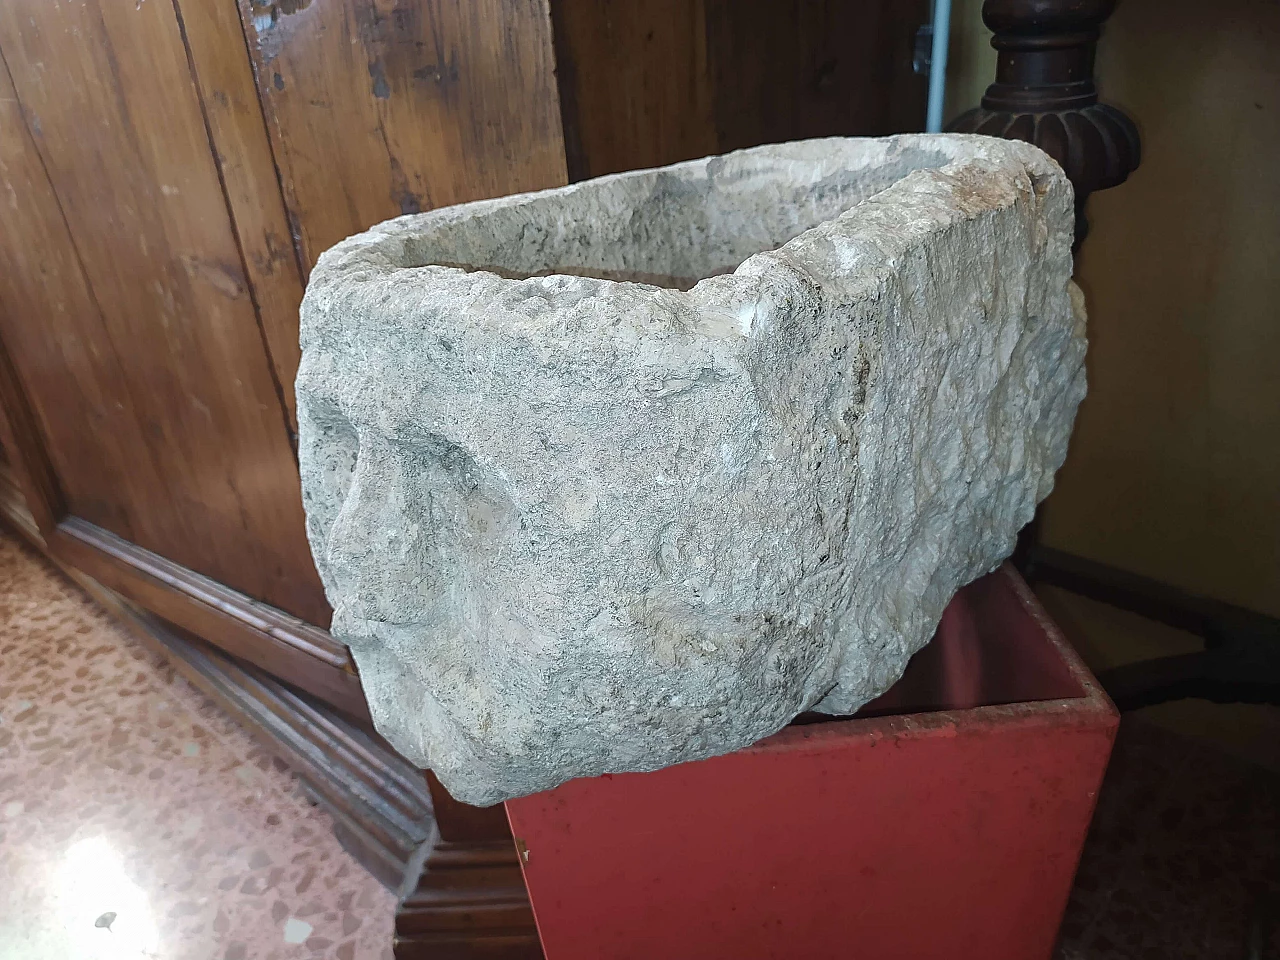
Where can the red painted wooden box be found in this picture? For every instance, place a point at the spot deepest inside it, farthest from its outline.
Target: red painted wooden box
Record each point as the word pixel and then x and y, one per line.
pixel 945 820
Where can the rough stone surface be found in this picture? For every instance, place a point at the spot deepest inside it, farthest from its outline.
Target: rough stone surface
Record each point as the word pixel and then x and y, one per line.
pixel 572 525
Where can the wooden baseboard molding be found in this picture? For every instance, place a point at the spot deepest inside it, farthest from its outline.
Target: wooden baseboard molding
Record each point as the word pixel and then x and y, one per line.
pixel 379 801
pixel 470 904
pixel 246 628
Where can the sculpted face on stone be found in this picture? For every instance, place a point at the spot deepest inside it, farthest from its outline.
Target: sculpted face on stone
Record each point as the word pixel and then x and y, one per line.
pixel 575 517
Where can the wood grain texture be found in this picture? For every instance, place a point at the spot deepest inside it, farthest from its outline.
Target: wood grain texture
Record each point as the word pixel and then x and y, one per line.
pixel 146 367
pixel 793 69
pixel 262 635
pixel 30 485
pixel 383 107
pixel 14 509
pixel 224 77
pixel 635 84
pixel 651 82
pixel 470 902
pixel 48 314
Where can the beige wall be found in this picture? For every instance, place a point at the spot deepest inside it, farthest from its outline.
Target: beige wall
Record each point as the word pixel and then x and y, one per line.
pixel 971 63
pixel 1174 470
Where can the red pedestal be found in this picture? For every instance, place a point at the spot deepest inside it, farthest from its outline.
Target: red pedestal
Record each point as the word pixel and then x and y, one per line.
pixel 945 820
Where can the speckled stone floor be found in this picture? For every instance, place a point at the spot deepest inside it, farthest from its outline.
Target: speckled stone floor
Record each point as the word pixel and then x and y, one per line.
pixel 1183 857
pixel 137 820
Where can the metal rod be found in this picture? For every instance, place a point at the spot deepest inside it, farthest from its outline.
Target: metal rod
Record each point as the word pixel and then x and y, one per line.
pixel 938 65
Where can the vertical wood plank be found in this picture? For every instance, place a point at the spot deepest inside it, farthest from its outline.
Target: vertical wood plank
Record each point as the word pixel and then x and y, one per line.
pixel 50 321
pixel 792 69
pixel 384 107
pixel 634 83
pixel 651 82
pixel 224 77
pixel 33 496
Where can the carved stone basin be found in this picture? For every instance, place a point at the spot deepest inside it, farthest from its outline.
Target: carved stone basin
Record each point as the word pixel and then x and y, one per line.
pixel 575 517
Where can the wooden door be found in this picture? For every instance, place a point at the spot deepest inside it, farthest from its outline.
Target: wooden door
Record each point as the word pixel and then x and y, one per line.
pixel 150 335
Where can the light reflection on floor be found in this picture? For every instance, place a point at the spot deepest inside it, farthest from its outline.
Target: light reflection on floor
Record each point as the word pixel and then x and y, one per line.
pixel 95 894
pixel 137 821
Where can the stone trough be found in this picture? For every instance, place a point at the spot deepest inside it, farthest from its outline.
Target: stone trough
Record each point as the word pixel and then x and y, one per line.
pixel 632 472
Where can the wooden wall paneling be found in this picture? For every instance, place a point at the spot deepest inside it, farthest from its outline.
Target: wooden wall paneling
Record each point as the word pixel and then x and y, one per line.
pixel 30 490
pixel 635 85
pixel 224 77
pixel 261 634
pixel 14 502
pixel 381 108
pixel 48 310
pixel 209 479
pixel 651 82
pixel 796 69
pixel 470 902
pixel 48 317
pixel 13 507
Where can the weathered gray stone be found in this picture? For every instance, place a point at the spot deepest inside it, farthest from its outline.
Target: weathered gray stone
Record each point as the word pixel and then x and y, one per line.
pixel 572 525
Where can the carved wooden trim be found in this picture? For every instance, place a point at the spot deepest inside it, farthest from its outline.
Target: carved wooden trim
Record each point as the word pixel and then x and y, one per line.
pixel 471 902
pixel 1045 94
pixel 246 628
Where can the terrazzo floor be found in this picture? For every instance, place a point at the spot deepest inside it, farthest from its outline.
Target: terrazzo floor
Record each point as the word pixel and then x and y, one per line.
pixel 137 821
pixel 1183 856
